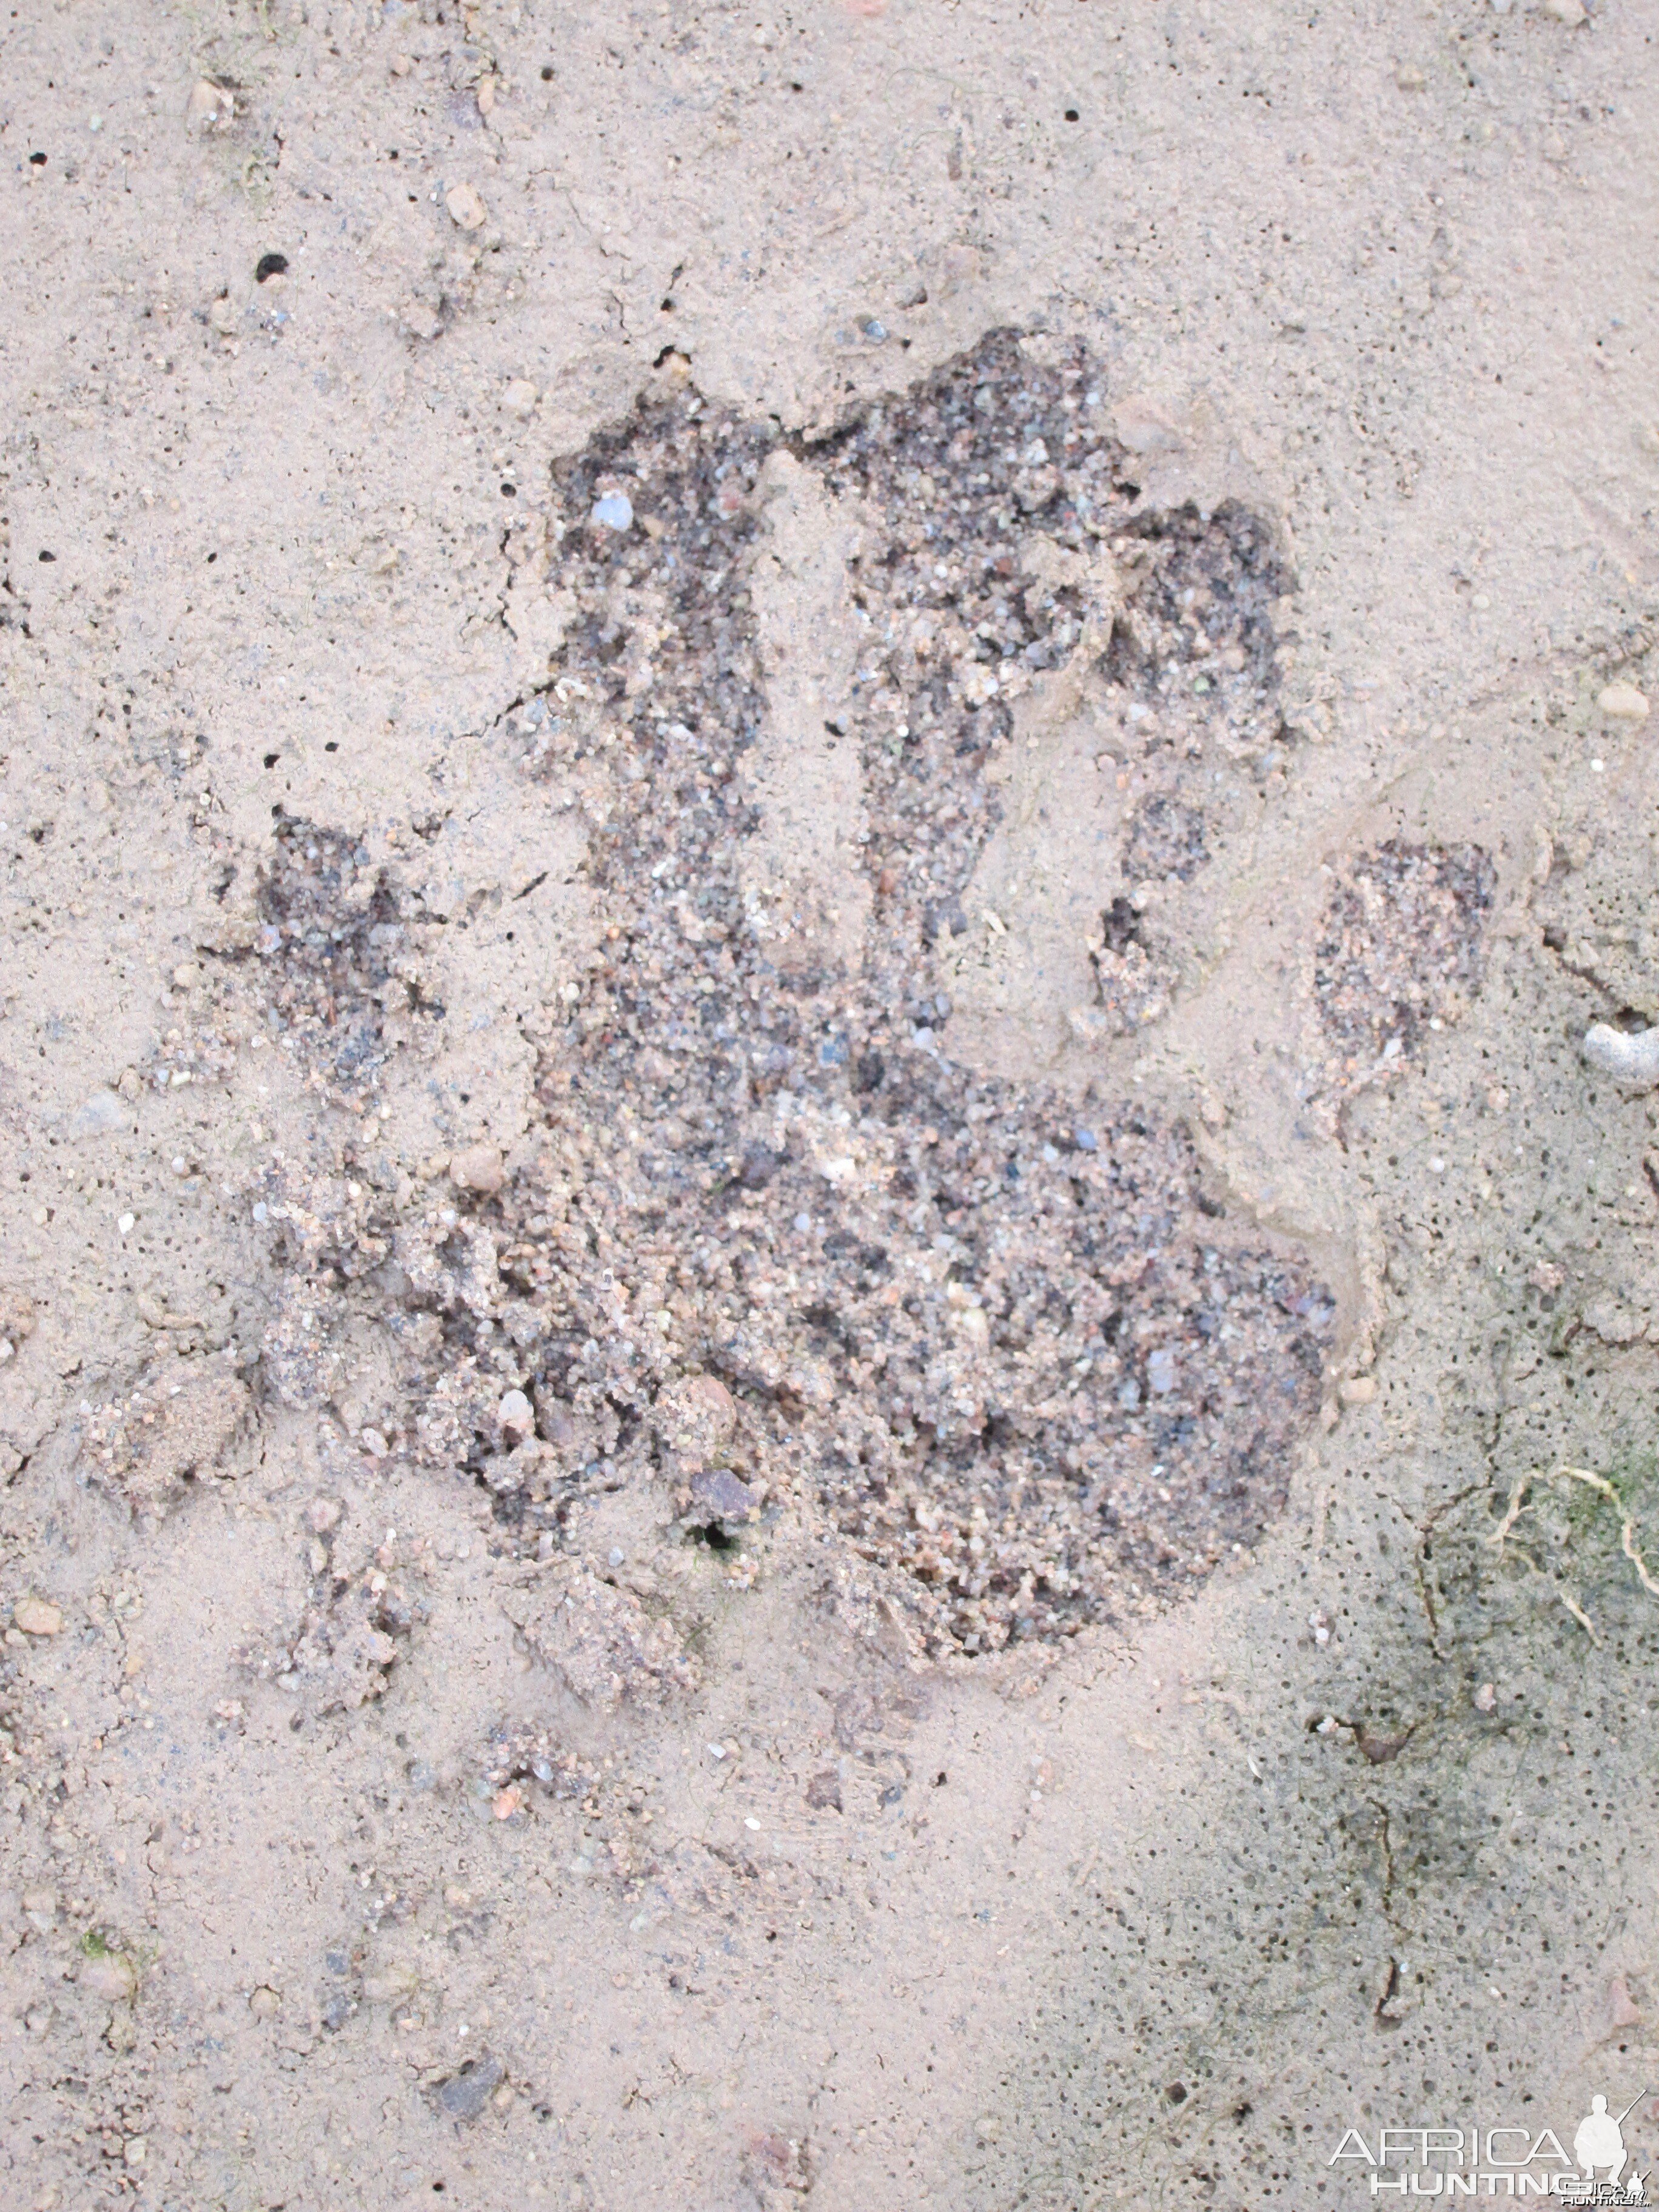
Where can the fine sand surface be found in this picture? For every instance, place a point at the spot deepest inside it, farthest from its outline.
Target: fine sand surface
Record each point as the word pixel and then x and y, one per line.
pixel 824 1376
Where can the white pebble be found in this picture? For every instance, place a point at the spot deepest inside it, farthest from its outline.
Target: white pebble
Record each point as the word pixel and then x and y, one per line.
pixel 1623 702
pixel 466 208
pixel 126 1224
pixel 1633 1061
pixel 615 511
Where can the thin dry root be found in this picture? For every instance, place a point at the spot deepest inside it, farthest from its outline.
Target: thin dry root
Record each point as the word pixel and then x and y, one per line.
pixel 1518 1506
pixel 1627 1533
pixel 1595 1481
pixel 1580 1616
pixel 1636 1559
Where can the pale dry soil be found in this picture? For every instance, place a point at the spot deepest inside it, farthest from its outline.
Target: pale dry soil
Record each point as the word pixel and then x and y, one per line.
pixel 806 821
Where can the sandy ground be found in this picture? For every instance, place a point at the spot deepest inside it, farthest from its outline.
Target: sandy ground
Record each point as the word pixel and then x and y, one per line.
pixel 798 1218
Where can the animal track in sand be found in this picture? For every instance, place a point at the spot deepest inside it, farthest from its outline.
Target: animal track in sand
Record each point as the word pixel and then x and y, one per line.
pixel 996 1330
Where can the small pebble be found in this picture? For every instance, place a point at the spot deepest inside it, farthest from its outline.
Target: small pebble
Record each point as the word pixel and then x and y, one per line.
pixel 1569 12
pixel 110 1975
pixel 1358 1389
pixel 823 1791
pixel 185 973
pixel 466 208
pixel 265 2002
pixel 695 1416
pixel 1631 1059
pixel 722 1493
pixel 519 398
pixel 37 1616
pixel 100 1116
pixel 516 1414
pixel 479 1168
pixel 614 512
pixel 209 104
pixel 1485 1697
pixel 126 1224
pixel 1623 702
pixel 322 1515
pixel 464 2095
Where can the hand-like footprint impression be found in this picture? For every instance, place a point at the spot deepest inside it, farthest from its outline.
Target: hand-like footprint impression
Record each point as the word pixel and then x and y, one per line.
pixel 995 1328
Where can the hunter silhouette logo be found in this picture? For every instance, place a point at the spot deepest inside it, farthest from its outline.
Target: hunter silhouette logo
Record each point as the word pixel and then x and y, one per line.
pixel 1599 2144
pixel 1506 2162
